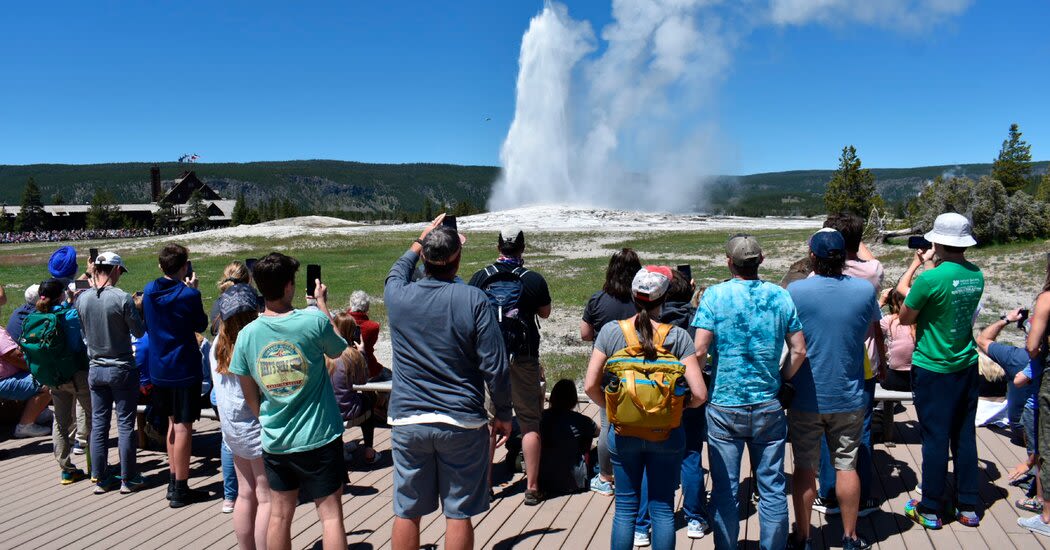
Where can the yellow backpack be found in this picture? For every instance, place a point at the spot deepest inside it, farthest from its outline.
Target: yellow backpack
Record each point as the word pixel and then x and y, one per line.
pixel 644 398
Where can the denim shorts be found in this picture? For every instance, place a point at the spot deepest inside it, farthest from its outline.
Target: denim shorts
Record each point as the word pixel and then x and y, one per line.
pixel 440 461
pixel 19 387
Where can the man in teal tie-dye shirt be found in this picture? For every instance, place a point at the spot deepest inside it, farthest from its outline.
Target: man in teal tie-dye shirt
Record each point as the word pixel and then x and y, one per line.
pixel 744 323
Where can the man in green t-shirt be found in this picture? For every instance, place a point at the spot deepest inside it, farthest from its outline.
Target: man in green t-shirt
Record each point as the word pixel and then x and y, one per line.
pixel 941 303
pixel 280 361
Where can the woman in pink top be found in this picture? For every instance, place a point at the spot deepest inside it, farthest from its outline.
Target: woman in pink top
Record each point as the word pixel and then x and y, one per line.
pixel 899 345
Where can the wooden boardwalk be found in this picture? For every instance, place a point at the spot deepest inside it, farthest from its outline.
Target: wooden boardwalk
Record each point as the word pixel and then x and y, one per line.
pixel 37 512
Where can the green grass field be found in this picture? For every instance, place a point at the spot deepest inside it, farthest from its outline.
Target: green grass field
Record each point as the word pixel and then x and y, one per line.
pixel 573 264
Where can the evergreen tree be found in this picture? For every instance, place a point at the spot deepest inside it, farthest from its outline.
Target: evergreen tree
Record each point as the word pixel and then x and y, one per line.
pixel 6 223
pixel 428 210
pixel 165 218
pixel 32 216
pixel 1043 192
pixel 104 212
pixel 241 211
pixel 852 188
pixel 196 212
pixel 58 198
pixel 1014 164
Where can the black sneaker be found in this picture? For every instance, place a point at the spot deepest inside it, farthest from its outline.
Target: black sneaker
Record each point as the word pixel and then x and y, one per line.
pixel 867 507
pixel 828 506
pixel 183 495
pixel 855 544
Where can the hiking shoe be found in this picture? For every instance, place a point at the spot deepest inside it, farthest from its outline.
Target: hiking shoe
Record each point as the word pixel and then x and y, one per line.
pixel 868 506
pixel 929 521
pixel 78 448
pixel 227 506
pixel 602 487
pixel 23 431
pixel 533 498
pixel 696 528
pixel 70 477
pixel 641 538
pixel 968 518
pixel 107 484
pixel 857 543
pixel 828 506
pixel 131 485
pixel 1035 524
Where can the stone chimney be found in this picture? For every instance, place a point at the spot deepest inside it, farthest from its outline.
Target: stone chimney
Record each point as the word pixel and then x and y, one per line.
pixel 154 183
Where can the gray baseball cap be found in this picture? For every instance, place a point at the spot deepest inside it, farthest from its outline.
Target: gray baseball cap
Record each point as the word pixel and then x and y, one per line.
pixel 744 250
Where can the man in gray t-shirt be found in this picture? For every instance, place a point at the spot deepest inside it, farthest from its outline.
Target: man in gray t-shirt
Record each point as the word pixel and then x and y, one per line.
pixel 108 318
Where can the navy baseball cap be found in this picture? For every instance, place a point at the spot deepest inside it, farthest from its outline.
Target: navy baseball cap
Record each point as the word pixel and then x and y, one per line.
pixel 826 243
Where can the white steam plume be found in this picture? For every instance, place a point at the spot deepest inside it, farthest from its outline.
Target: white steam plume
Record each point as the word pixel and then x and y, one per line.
pixel 634 126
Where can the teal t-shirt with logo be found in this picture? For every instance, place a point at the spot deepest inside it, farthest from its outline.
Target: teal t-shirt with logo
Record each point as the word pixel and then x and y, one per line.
pixel 285 356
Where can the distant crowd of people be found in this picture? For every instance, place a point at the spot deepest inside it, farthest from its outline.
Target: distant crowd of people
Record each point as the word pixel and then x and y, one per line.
pixel 743 365
pixel 61 235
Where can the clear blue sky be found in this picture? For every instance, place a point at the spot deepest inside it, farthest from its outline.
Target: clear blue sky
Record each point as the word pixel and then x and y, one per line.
pixel 414 81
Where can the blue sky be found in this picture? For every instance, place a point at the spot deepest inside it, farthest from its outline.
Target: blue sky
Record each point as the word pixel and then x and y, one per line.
pixel 414 81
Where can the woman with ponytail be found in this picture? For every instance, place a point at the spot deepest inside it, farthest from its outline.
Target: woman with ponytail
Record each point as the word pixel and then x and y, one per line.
pixel 635 458
pixel 346 371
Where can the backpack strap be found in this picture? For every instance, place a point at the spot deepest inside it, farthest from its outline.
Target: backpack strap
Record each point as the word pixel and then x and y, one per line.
pixel 630 335
pixel 662 331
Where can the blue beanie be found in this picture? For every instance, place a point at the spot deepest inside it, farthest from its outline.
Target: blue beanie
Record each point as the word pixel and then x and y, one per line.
pixel 63 263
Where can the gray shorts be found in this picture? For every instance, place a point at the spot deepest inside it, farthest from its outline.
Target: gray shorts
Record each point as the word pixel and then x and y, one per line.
pixel 440 460
pixel 805 429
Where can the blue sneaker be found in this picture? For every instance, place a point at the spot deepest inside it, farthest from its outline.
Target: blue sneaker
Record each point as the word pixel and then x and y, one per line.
pixel 131 485
pixel 107 484
pixel 697 528
pixel 602 487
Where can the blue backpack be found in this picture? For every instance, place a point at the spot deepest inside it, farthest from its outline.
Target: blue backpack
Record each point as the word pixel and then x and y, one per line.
pixel 504 289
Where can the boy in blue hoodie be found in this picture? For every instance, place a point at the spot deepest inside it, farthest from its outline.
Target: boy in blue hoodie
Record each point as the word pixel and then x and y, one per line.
pixel 174 315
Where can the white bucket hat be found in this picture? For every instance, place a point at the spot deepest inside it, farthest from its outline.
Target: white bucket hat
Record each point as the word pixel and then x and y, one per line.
pixel 951 229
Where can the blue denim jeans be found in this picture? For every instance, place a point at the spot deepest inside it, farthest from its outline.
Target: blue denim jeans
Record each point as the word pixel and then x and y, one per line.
pixel 113 386
pixel 657 462
pixel 694 494
pixel 763 427
pixel 229 475
pixel 946 405
pixel 864 470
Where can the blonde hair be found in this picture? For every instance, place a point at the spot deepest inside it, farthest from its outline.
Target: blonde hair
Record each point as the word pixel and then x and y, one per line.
pixel 235 272
pixel 224 342
pixel 990 370
pixel 356 366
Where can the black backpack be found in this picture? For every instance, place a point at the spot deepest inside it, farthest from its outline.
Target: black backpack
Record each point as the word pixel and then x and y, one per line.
pixel 504 289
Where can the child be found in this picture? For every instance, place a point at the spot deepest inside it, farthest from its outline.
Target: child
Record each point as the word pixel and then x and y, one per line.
pixel 900 343
pixel 348 369
pixel 566 436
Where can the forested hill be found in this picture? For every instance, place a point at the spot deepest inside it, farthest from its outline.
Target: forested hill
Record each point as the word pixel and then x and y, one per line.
pixel 333 186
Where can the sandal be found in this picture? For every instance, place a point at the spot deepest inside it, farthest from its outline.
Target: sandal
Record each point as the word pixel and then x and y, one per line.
pixel 1030 504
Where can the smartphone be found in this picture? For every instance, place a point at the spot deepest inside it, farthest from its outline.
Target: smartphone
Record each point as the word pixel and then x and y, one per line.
pixel 313 273
pixel 1024 317
pixel 250 263
pixel 81 284
pixel 189 269
pixel 450 221
pixel 919 243
pixel 92 254
pixel 686 270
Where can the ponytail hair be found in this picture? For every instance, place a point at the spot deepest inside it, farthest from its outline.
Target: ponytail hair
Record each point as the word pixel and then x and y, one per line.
pixel 643 324
pixel 52 291
pixel 236 272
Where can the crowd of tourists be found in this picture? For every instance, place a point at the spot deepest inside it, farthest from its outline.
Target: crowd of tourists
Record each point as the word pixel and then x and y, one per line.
pixel 743 365
pixel 61 235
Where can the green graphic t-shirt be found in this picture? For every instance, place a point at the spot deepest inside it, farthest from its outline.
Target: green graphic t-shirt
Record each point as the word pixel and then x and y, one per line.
pixel 285 355
pixel 946 298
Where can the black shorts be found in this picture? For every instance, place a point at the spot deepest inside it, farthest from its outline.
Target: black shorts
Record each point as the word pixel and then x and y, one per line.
pixel 315 474
pixel 184 404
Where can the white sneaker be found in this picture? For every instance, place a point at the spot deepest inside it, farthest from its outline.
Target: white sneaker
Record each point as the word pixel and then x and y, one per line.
pixel 696 528
pixel 23 431
pixel 641 538
pixel 227 506
pixel 45 418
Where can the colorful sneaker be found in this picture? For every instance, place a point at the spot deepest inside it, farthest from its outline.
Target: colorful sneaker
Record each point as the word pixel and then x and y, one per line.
pixel 641 538
pixel 929 521
pixel 828 506
pixel 1035 524
pixel 696 528
pixel 70 477
pixel 968 518
pixel 857 543
pixel 131 485
pixel 602 487
pixel 107 484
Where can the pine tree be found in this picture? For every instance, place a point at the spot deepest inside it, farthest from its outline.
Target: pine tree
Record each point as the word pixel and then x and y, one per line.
pixel 104 212
pixel 239 216
pixel 428 210
pixel 32 217
pixel 1014 164
pixel 852 188
pixel 1043 192
pixel 58 198
pixel 164 218
pixel 196 212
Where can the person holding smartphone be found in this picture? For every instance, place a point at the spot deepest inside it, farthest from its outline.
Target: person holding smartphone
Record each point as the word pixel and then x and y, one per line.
pixel 174 313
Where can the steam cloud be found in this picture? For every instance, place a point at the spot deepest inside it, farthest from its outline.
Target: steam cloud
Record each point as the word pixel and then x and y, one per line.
pixel 633 127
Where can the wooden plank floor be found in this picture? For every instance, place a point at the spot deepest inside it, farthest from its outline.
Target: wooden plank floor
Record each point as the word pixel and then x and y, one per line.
pixel 37 512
